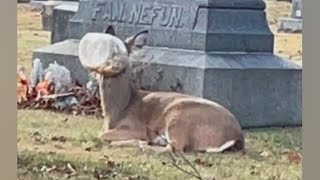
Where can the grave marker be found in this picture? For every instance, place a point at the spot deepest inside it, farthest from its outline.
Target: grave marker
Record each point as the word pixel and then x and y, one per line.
pixel 217 49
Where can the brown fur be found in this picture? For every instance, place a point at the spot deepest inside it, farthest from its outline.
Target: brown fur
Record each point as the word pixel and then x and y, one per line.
pixel 193 124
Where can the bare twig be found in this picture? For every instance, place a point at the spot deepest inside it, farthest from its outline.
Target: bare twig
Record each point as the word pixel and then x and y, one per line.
pixel 96 174
pixel 181 169
pixel 196 175
pixel 71 168
pixel 191 165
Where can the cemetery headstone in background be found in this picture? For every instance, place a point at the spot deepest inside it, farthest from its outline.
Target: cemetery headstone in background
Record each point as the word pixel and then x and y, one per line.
pixel 48 12
pixel 292 24
pixel 221 50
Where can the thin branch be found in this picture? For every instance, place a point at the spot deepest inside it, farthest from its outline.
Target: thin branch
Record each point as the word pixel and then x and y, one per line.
pixel 197 175
pixel 191 165
pixel 181 169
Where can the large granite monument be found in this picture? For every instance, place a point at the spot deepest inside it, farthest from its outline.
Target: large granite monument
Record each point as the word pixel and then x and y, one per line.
pixel 217 49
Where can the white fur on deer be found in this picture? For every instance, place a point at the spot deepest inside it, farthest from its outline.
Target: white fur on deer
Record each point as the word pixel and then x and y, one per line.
pixel 172 121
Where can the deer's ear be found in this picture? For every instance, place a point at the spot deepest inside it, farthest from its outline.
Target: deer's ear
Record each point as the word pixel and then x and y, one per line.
pixel 137 41
pixel 110 30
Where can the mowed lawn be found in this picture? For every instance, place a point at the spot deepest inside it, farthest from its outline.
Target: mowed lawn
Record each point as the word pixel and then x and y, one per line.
pixel 54 146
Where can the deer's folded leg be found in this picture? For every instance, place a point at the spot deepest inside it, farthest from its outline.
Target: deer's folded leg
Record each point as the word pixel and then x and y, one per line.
pixel 122 135
pixel 133 142
pixel 157 149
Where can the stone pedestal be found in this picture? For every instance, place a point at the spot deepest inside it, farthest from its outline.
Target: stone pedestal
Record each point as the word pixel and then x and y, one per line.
pixel 217 49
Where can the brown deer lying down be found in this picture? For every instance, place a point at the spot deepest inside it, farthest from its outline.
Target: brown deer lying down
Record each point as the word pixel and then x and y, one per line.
pixel 173 121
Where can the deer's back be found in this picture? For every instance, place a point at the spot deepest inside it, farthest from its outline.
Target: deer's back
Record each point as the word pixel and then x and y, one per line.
pixel 162 105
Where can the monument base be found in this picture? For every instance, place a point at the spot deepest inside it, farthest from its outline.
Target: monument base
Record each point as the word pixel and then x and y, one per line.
pixel 64 53
pixel 261 90
pixel 291 25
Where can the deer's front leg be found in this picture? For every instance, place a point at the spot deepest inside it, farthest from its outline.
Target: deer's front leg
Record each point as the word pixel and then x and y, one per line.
pixel 156 148
pixel 120 137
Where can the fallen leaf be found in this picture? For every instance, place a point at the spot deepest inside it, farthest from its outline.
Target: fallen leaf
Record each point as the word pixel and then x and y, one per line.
pixel 58 146
pixel 198 161
pixel 89 149
pixel 59 138
pixel 52 152
pixel 294 157
pixel 111 164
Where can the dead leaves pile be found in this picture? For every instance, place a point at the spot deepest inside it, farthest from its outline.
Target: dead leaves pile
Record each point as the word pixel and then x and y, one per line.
pixel 42 97
pixel 85 104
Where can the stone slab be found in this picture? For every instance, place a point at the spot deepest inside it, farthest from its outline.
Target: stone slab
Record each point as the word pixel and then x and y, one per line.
pixel 64 53
pixel 206 25
pixel 290 25
pixel 259 88
pixel 37 4
pixel 61 16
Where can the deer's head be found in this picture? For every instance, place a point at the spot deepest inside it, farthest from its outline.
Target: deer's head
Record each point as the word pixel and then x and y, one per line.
pixel 106 54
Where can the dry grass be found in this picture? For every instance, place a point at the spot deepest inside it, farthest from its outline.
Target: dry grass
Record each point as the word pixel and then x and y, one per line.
pixel 268 154
pixel 286 45
pixel 30 35
pixel 266 158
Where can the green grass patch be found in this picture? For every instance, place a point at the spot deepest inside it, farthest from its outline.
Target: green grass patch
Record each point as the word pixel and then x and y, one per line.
pixel 266 158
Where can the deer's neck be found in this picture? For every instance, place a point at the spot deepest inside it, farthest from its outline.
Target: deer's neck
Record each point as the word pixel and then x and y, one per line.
pixel 116 94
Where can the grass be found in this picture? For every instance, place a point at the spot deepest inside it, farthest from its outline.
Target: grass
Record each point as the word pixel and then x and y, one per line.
pixel 46 140
pixel 29 33
pixel 267 156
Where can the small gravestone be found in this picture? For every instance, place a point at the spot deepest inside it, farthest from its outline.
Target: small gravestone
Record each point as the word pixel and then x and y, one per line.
pixel 296 9
pixel 61 16
pixel 292 24
pixel 221 50
pixel 48 16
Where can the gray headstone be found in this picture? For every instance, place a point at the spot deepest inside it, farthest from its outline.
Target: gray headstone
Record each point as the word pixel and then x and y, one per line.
pixel 207 25
pixel 221 50
pixel 37 4
pixel 48 12
pixel 61 16
pixel 296 9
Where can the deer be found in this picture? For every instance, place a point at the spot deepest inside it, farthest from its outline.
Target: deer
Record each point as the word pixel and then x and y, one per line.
pixel 171 121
